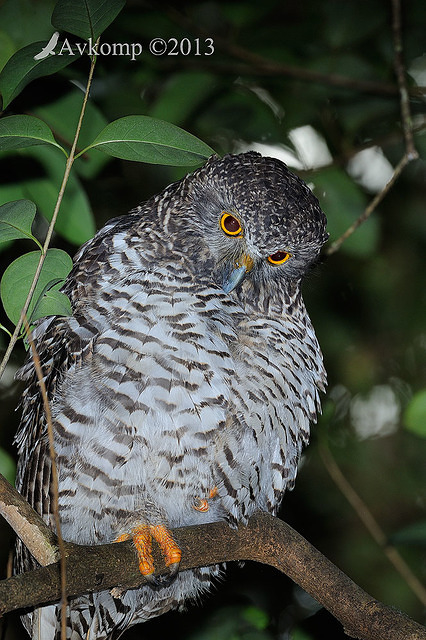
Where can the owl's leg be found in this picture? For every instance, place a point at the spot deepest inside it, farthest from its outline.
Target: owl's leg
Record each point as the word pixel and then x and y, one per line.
pixel 142 537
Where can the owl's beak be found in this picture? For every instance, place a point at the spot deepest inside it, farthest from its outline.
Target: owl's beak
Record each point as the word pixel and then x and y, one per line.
pixel 237 273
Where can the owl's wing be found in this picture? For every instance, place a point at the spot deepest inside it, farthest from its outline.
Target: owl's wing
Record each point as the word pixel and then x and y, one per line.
pixel 60 343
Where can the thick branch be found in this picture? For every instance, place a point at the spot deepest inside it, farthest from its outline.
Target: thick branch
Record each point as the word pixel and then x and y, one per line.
pixel 266 539
pixel 28 525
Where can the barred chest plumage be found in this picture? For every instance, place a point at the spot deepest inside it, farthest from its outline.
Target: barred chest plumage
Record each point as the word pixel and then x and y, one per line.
pixel 181 394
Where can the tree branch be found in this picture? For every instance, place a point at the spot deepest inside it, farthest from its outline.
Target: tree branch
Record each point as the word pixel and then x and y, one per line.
pixel 255 64
pixel 371 207
pixel 401 77
pixel 265 539
pixel 27 524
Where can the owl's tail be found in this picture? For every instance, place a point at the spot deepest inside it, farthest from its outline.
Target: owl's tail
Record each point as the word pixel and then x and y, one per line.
pixel 45 625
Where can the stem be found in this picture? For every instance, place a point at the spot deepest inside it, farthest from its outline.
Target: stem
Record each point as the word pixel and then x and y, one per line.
pixel 401 77
pixel 46 244
pixel 54 480
pixel 407 126
pixel 335 246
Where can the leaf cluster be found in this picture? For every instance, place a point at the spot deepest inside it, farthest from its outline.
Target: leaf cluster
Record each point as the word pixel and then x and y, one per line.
pixel 138 138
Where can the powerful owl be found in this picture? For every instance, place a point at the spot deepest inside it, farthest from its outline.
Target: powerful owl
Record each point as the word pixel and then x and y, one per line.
pixel 183 386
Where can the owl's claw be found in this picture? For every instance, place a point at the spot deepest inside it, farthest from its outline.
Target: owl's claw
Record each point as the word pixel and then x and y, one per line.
pixel 165 579
pixel 202 504
pixel 142 538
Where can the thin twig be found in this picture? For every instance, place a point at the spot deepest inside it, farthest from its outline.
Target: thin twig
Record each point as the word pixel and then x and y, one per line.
pixel 371 523
pixel 255 64
pixel 335 246
pixel 259 65
pixel 407 126
pixel 46 244
pixel 401 76
pixel 54 480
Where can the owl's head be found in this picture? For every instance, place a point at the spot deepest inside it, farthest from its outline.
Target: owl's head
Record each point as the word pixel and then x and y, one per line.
pixel 255 218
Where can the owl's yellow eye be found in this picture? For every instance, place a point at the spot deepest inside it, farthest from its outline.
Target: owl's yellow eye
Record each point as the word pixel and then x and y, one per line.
pixel 230 225
pixel 279 257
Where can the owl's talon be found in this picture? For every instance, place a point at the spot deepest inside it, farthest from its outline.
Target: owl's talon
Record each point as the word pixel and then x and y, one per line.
pixel 202 504
pixel 173 570
pixel 165 579
pixel 142 539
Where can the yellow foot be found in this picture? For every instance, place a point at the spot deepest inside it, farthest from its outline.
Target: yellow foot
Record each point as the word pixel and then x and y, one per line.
pixel 202 504
pixel 142 538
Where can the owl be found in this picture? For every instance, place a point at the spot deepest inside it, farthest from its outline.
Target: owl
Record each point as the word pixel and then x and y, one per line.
pixel 183 386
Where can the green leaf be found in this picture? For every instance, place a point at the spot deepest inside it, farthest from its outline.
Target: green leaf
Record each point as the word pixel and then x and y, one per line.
pixel 256 617
pixel 233 623
pixel 62 117
pixel 25 131
pixel 7 466
pixel 7 48
pixel 25 22
pixel 300 634
pixel 342 29
pixel 86 18
pixel 16 219
pixel 413 534
pixel 9 192
pixel 146 139
pixel 18 276
pixel 12 191
pixel 22 68
pixel 75 219
pixel 196 86
pixel 52 303
pixel 415 414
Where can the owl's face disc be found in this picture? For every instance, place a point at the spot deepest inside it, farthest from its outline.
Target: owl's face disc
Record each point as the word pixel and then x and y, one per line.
pixel 257 219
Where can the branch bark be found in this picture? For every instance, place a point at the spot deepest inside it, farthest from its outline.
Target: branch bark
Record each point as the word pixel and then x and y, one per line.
pixel 27 524
pixel 265 539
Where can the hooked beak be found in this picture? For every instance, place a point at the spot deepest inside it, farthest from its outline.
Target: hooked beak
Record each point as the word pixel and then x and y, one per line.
pixel 237 273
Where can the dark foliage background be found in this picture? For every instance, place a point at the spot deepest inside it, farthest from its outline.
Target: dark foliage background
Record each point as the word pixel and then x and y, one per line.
pixel 367 301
